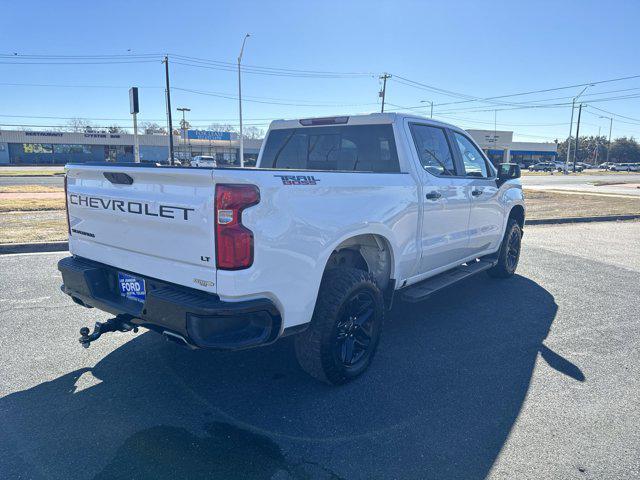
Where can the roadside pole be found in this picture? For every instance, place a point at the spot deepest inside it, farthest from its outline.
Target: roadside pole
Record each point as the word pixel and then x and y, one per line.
pixel 566 161
pixel 573 106
pixel 383 92
pixel 241 152
pixel 595 161
pixel 134 107
pixel 575 152
pixel 610 128
pixel 166 72
pixel 184 130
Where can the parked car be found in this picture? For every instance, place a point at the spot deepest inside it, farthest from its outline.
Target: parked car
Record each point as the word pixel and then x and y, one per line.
pixel 605 165
pixel 560 166
pixel 543 167
pixel 314 242
pixel 203 161
pixel 625 167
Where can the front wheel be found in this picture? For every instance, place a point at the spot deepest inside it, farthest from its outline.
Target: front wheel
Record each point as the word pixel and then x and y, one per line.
pixel 345 329
pixel 509 253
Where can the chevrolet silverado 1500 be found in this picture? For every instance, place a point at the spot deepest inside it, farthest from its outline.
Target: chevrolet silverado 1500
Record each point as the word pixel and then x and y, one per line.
pixel 341 215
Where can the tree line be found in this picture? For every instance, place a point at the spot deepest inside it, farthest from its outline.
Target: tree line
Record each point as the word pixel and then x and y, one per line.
pixel 593 149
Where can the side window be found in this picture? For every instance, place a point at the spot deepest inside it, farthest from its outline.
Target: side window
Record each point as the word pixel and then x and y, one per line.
pixel 433 150
pixel 474 163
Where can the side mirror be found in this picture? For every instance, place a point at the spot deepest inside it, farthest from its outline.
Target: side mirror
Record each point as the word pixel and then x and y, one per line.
pixel 508 171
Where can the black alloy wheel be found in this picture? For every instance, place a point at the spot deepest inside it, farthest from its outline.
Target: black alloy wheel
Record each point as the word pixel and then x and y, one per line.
pixel 354 330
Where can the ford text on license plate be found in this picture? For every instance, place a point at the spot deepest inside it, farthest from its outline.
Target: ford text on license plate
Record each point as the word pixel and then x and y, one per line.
pixel 131 287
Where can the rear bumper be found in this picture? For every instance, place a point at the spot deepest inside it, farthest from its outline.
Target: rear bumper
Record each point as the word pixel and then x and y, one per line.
pixel 201 319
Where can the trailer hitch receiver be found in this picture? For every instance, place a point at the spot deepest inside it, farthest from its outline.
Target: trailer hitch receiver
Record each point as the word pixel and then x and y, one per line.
pixel 120 323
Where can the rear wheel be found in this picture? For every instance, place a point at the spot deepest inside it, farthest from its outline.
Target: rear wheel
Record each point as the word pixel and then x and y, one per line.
pixel 509 253
pixel 343 336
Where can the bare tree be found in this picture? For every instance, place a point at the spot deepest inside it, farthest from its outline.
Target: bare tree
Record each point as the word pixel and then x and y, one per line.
pixel 222 127
pixel 152 128
pixel 252 133
pixel 113 128
pixel 77 124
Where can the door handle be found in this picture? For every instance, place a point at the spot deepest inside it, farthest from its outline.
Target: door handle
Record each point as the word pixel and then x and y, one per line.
pixel 433 195
pixel 476 193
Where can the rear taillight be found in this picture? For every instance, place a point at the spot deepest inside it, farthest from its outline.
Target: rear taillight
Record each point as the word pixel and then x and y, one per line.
pixel 66 204
pixel 234 241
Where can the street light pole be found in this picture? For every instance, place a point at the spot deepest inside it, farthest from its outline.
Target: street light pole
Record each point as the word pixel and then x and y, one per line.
pixel 610 128
pixel 430 102
pixel 240 100
pixel 573 105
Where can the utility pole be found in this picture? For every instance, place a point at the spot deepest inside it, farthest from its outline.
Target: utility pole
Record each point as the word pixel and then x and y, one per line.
pixel 383 92
pixel 240 100
pixel 166 72
pixel 184 126
pixel 575 153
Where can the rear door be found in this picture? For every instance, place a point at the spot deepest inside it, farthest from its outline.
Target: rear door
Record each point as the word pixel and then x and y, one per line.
pixel 153 221
pixel 486 213
pixel 445 219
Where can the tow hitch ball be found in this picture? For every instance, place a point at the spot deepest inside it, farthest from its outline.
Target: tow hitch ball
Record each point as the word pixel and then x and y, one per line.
pixel 116 324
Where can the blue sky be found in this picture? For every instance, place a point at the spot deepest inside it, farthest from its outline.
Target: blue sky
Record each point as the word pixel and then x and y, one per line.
pixel 479 49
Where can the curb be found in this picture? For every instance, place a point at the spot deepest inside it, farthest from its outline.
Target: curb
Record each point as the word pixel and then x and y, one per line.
pixel 606 218
pixel 6 248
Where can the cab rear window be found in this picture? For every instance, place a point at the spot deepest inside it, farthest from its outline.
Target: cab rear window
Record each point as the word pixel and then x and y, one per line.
pixel 351 148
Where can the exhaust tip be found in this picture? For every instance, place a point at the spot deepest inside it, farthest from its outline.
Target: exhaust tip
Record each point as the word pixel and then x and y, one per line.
pixel 177 339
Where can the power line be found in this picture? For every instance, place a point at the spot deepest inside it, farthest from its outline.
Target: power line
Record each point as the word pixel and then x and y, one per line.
pixel 106 62
pixel 235 97
pixel 200 92
pixel 60 85
pixel 616 114
pixel 275 69
pixel 20 59
pixel 267 73
pixel 471 98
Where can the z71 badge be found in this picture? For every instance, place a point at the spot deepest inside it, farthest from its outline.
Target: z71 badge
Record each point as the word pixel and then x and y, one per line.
pixel 298 179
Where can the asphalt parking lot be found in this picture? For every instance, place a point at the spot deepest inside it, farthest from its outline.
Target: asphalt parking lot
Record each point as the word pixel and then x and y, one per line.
pixel 532 377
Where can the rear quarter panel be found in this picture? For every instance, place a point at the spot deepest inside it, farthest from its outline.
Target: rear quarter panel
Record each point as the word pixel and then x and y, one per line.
pixel 297 226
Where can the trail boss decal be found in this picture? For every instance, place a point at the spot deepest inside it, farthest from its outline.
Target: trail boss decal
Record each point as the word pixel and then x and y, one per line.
pixel 137 208
pixel 298 179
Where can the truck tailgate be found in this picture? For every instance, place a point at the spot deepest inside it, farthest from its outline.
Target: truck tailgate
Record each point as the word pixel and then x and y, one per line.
pixel 157 222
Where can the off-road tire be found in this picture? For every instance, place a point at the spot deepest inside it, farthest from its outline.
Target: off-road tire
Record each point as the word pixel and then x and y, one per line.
pixel 316 346
pixel 506 267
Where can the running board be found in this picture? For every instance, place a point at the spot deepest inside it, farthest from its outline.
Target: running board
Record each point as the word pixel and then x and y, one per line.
pixel 420 291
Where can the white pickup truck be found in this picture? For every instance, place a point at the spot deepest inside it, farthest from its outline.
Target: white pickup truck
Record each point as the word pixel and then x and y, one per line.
pixel 340 215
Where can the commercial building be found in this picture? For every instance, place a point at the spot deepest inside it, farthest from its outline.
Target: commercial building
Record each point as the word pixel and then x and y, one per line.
pixel 58 148
pixel 500 148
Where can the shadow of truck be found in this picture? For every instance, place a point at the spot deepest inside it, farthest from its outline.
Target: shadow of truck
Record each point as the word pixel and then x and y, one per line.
pixel 444 390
